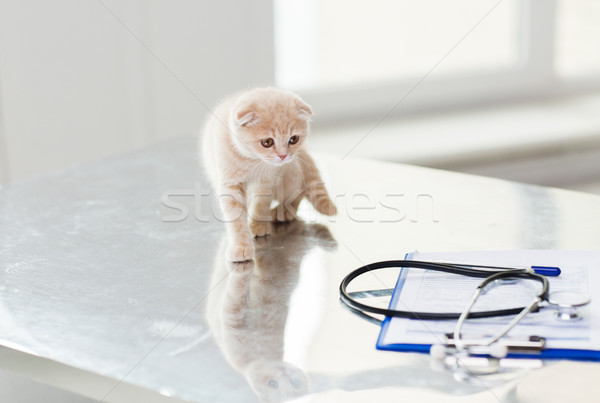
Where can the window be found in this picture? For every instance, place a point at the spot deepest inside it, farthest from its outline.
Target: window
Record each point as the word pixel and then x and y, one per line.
pixel 386 40
pixel 578 38
pixel 356 58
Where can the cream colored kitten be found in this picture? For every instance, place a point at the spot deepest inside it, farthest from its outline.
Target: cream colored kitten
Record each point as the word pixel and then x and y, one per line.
pixel 253 154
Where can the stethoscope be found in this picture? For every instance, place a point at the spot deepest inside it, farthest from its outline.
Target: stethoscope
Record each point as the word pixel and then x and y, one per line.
pixel 454 347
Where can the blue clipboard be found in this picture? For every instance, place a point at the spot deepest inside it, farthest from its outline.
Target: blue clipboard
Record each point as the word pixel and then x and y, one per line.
pixel 549 354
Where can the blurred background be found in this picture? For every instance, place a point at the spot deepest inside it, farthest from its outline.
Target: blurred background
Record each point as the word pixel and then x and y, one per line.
pixel 504 88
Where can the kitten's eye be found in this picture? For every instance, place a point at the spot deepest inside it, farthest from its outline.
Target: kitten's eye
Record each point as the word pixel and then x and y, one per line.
pixel 294 139
pixel 266 143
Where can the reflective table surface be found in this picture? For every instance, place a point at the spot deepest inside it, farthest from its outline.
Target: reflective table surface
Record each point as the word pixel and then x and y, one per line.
pixel 114 285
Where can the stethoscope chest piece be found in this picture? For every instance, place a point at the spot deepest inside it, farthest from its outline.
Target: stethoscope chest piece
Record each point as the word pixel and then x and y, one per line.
pixel 567 304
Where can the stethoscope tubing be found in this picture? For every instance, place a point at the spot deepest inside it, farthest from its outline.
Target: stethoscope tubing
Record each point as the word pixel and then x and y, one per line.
pixel 490 276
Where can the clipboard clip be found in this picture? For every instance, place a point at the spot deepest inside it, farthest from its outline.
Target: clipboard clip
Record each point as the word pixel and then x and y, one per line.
pixel 533 345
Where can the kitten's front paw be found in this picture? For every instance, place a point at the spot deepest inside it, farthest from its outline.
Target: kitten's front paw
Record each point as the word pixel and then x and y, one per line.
pixel 240 252
pixel 325 206
pixel 260 228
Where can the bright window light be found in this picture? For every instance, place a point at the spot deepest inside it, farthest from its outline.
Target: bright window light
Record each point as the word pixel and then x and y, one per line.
pixel 578 38
pixel 334 43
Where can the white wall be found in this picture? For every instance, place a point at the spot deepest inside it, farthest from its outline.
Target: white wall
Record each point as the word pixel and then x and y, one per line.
pixel 79 82
pixel 4 174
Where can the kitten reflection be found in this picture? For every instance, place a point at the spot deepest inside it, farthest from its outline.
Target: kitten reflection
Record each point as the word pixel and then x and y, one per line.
pixel 248 308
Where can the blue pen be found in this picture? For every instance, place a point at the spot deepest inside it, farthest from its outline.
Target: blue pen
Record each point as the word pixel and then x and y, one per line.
pixel 547 271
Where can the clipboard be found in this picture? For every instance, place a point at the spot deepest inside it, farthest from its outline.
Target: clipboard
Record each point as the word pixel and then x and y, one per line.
pixel 390 339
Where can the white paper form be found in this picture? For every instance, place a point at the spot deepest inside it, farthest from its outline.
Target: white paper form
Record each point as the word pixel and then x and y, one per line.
pixel 429 291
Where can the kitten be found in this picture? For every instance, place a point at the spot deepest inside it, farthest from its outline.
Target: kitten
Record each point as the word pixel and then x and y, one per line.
pixel 252 150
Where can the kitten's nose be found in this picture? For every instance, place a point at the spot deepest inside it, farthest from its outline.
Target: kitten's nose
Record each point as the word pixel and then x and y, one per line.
pixel 283 156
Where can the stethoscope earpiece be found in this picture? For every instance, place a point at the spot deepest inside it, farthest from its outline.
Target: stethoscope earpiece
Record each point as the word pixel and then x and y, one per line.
pixel 438 352
pixel 498 350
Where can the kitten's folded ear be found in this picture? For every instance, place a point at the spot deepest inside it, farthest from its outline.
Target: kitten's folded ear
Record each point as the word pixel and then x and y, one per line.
pixel 245 116
pixel 304 110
